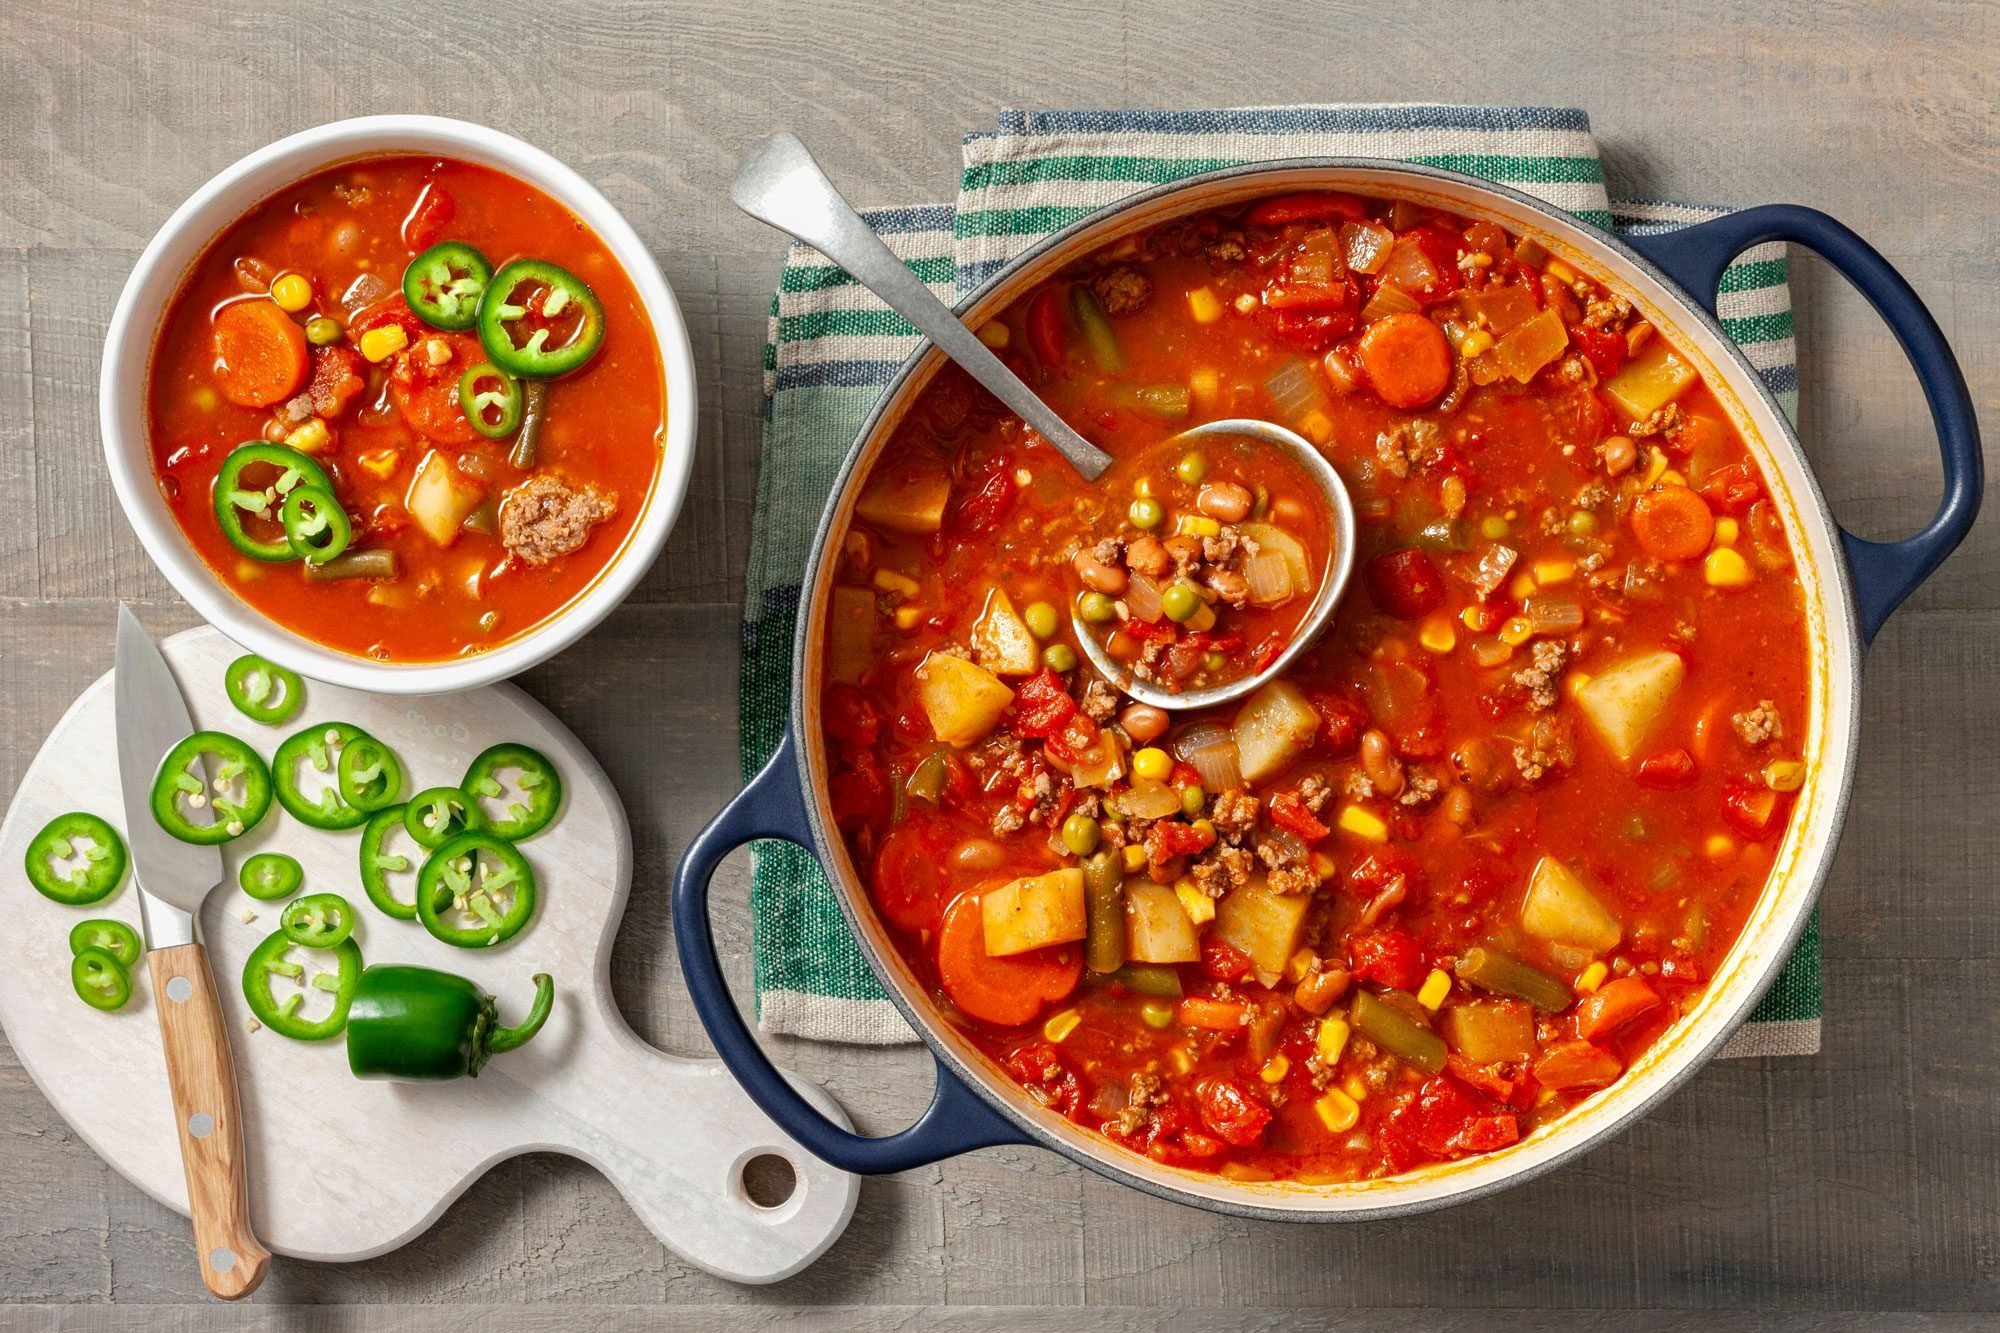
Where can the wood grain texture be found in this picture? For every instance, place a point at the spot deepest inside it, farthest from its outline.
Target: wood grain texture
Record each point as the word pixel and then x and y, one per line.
pixel 1824 1193
pixel 210 1119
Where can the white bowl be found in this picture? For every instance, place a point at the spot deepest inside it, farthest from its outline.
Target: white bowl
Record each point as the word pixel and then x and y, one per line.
pixel 128 349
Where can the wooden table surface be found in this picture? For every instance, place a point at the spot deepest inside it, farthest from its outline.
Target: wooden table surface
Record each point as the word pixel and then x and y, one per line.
pixel 1863 1180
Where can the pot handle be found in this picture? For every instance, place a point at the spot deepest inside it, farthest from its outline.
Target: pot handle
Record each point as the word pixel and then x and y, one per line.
pixel 1884 572
pixel 956 1121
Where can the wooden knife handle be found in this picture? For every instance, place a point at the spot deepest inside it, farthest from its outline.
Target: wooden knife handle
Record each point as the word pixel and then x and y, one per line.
pixel 203 1079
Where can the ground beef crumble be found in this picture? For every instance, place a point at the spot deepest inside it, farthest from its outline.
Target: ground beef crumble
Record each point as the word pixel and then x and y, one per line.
pixel 1099 702
pixel 1663 421
pixel 1234 814
pixel 1606 312
pixel 1123 290
pixel 1420 790
pixel 1315 792
pixel 1539 678
pixel 1551 745
pixel 1759 724
pixel 1222 868
pixel 1287 867
pixel 543 518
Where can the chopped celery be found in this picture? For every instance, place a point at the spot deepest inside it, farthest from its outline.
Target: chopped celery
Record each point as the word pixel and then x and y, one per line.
pixel 1403 1037
pixel 1491 970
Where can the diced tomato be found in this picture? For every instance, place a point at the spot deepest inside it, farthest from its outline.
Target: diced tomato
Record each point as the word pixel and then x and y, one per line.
pixel 1732 489
pixel 1009 989
pixel 1231 1111
pixel 848 716
pixel 1405 583
pixel 1442 248
pixel 1341 721
pixel 1398 1139
pixel 427 395
pixel 1576 1064
pixel 1223 961
pixel 1312 206
pixel 1483 1078
pixel 908 877
pixel 1075 741
pixel 1151 631
pixel 1048 330
pixel 1752 809
pixel 860 792
pixel 336 381
pixel 425 225
pixel 1312 331
pixel 990 495
pixel 1038 1066
pixel 388 310
pixel 1390 957
pixel 1289 811
pixel 1449 1123
pixel 1605 351
pixel 1612 1006
pixel 1168 838
pixel 1583 419
pixel 1664 772
pixel 1042 706
pixel 1378 870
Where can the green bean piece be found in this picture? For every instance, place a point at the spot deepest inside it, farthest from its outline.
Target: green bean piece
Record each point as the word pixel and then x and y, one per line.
pixel 1104 911
pixel 1403 1037
pixel 1168 402
pixel 1157 979
pixel 377 563
pixel 1491 970
pixel 927 778
pixel 534 414
pixel 1097 332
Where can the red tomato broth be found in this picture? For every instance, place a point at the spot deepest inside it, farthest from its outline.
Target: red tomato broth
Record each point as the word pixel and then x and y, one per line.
pixel 604 427
pixel 1434 675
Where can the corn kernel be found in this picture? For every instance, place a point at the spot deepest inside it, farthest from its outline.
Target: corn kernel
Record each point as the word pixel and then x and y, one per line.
pixel 1323 865
pixel 1061 1025
pixel 1275 1069
pixel 1436 986
pixel 1331 1041
pixel 889 580
pixel 1548 573
pixel 382 462
pixel 1727 530
pixel 1523 586
pixel 1183 1060
pixel 1724 568
pixel 1474 343
pixel 1201 622
pixel 1718 846
pixel 1451 495
pixel 1472 618
pixel 1245 304
pixel 1200 908
pixel 383 342
pixel 292 293
pixel 1337 1111
pixel 1560 271
pixel 1152 764
pixel 1205 827
pixel 1784 775
pixel 1203 306
pixel 1317 427
pixel 309 438
pixel 1363 824
pixel 1437 635
pixel 1356 1088
pixel 1196 525
pixel 1593 977
pixel 1205 384
pixel 1134 856
pixel 1300 965
pixel 1517 631
pixel 909 617
pixel 1656 467
pixel 995 334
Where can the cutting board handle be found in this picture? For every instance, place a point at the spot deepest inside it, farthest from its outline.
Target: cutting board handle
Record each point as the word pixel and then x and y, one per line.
pixel 209 1121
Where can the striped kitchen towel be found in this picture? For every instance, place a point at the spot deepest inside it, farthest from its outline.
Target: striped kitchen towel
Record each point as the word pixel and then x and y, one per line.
pixel 833 346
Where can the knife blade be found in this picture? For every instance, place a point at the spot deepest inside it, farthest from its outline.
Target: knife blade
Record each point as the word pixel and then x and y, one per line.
pixel 173 877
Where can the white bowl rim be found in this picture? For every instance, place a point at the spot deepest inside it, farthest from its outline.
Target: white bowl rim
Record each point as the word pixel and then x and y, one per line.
pixel 1799 872
pixel 225 197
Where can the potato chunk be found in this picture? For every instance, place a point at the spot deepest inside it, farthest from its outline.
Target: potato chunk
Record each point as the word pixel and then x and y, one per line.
pixel 1273 728
pixel 1559 908
pixel 1490 1032
pixel 1157 928
pixel 1650 380
pixel 907 496
pixel 1001 640
pixel 1266 926
pixel 1623 703
pixel 963 700
pixel 1033 913
pixel 441 498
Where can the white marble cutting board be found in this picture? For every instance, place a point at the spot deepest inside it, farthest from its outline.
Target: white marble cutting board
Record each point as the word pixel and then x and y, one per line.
pixel 341 1169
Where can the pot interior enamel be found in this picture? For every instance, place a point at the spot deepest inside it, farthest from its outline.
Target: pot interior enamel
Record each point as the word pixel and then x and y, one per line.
pixel 1803 859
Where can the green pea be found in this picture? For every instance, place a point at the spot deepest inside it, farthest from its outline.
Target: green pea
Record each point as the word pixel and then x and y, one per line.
pixel 1041 618
pixel 1059 657
pixel 1146 514
pixel 1180 602
pixel 1583 522
pixel 1193 801
pixel 1191 469
pixel 1079 834
pixel 1096 607
pixel 1214 662
pixel 321 331
pixel 1156 1013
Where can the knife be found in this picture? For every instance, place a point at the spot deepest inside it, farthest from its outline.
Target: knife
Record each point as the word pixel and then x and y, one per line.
pixel 173 877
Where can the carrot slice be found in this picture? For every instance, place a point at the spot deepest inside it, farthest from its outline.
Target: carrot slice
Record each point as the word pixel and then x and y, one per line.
pixel 260 354
pixel 1615 1004
pixel 1672 523
pixel 1407 359
pixel 1008 990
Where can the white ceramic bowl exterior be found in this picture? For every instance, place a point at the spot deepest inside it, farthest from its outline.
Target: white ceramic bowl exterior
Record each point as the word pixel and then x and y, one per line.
pixel 142 306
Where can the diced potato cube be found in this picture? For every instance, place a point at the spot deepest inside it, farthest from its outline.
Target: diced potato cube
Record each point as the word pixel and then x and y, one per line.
pixel 1650 380
pixel 1273 728
pixel 1490 1032
pixel 1622 704
pixel 1157 929
pixel 1034 912
pixel 441 498
pixel 1001 640
pixel 850 644
pixel 963 699
pixel 1560 909
pixel 907 496
pixel 1266 926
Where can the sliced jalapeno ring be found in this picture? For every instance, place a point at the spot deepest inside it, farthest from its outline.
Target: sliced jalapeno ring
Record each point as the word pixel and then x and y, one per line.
pixel 318 746
pixel 444 283
pixel 185 785
pixel 540 786
pixel 318 920
pixel 269 876
pixel 539 320
pixel 101 981
pixel 271 959
pixel 263 691
pixel 85 839
pixel 316 525
pixel 438 814
pixel 240 496
pixel 114 937
pixel 492 400
pixel 460 891
pixel 378 863
pixel 369 774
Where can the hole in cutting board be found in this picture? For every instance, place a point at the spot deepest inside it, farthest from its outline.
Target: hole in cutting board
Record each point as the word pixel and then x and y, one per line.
pixel 769 1180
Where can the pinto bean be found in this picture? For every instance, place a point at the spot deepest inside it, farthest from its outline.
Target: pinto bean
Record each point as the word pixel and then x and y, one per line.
pixel 1379 762
pixel 1143 722
pixel 1147 556
pixel 1225 500
pixel 978 854
pixel 1227 584
pixel 1619 455
pixel 1317 993
pixel 1098 576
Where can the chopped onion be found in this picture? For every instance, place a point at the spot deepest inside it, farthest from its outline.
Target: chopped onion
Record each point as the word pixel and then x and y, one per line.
pixel 1150 800
pixel 1142 597
pixel 1388 299
pixel 1296 391
pixel 1318 260
pixel 1503 308
pixel 1531 346
pixel 1211 748
pixel 363 292
pixel 1495 563
pixel 1269 575
pixel 1365 246
pixel 1490 652
pixel 1554 612
pixel 1409 267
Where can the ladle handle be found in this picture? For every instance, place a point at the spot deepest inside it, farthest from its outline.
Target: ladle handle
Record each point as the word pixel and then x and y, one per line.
pixel 779 183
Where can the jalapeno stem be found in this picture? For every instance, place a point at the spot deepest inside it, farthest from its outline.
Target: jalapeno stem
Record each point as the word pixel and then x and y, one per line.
pixel 507 1039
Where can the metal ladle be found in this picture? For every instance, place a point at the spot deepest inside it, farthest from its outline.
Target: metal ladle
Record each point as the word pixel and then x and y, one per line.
pixel 779 183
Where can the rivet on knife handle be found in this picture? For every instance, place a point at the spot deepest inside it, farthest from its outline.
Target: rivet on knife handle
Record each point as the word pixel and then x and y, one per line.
pixel 233 1262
